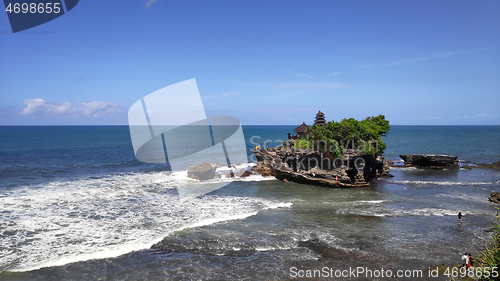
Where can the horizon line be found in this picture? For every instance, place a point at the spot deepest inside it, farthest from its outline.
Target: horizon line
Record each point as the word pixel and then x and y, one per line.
pixel 96 125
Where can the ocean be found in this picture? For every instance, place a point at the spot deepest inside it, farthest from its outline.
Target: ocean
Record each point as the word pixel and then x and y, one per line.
pixel 75 204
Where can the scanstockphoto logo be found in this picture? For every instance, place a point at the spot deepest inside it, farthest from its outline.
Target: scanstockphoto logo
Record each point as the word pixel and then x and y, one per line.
pixel 170 126
pixel 25 14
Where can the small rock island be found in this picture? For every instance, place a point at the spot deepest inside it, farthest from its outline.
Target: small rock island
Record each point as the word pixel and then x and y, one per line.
pixel 335 154
pixel 431 161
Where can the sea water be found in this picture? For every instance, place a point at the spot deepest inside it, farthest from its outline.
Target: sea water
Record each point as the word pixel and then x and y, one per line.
pixel 76 204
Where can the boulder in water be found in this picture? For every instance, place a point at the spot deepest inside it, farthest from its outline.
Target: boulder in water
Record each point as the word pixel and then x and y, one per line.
pixel 203 171
pixel 495 197
pixel 246 173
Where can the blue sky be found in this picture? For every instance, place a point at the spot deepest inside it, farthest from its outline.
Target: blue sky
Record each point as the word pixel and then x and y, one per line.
pixel 264 62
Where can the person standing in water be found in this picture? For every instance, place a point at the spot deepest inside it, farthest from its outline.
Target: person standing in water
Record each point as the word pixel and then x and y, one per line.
pixel 460 216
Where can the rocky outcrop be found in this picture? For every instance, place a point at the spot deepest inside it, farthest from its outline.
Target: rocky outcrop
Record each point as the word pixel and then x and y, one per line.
pixel 312 167
pixel 495 197
pixel 264 163
pixel 430 161
pixel 245 174
pixel 383 166
pixel 203 171
pixel 493 166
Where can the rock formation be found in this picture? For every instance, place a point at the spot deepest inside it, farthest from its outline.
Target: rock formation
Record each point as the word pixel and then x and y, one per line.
pixel 203 171
pixel 493 166
pixel 309 166
pixel 245 174
pixel 384 166
pixel 430 161
pixel 495 197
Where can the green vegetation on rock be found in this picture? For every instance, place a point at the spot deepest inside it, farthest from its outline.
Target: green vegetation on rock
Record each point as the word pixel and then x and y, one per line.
pixel 350 133
pixel 489 258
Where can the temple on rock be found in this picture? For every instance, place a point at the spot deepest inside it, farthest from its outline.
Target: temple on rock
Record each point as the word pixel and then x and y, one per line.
pixel 320 118
pixel 304 158
pixel 302 129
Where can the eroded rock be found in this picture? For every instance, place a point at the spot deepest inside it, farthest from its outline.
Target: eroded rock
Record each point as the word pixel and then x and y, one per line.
pixel 307 166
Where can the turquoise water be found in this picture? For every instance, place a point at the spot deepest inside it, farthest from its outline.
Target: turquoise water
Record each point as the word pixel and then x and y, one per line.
pixel 76 204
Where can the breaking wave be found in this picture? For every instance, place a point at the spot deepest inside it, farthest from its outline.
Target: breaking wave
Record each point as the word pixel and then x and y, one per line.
pixel 107 216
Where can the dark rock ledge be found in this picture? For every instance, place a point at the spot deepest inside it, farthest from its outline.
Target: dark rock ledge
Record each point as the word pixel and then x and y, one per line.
pixel 492 166
pixel 495 197
pixel 430 161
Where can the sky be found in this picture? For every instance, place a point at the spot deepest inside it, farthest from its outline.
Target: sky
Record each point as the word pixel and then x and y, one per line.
pixel 263 62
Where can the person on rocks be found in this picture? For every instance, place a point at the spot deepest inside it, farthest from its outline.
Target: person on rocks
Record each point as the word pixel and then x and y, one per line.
pixel 464 260
pixel 470 261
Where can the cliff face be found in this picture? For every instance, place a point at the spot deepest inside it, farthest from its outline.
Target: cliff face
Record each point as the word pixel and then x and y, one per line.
pixel 312 167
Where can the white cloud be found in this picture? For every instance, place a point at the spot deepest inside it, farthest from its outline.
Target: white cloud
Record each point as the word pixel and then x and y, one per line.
pixel 305 75
pixel 228 94
pixel 430 57
pixel 312 77
pixel 95 109
pixel 482 115
pixel 149 3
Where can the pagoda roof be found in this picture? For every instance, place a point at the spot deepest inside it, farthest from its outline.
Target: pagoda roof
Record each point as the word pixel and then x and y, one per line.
pixel 320 118
pixel 302 128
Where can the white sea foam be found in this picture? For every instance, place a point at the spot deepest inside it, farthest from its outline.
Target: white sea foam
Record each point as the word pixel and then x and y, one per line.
pixel 267 249
pixel 236 167
pixel 404 168
pixel 439 182
pixel 463 196
pixel 385 212
pixel 369 201
pixel 64 222
pixel 223 176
